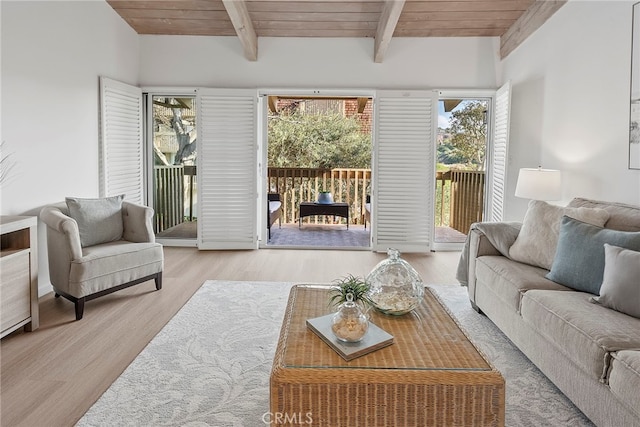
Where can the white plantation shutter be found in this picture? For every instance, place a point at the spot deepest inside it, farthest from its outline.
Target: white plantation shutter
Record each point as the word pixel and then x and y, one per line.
pixel 121 143
pixel 404 174
pixel 499 154
pixel 227 168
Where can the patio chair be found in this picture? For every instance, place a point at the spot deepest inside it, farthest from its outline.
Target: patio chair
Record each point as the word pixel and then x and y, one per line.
pixel 99 246
pixel 274 212
pixel 367 211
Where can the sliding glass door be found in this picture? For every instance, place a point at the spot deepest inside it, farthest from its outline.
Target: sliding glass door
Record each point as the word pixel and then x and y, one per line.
pixel 174 187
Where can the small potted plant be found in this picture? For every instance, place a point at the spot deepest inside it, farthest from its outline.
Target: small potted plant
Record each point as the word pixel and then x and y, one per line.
pixel 358 287
pixel 350 294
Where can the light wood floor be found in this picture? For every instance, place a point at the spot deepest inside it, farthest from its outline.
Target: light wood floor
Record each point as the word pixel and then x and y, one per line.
pixel 52 376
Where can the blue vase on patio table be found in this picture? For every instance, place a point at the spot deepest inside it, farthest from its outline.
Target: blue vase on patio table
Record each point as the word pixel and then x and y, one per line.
pixel 325 198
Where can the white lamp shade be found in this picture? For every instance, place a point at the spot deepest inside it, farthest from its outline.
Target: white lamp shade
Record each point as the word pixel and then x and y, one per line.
pixel 539 184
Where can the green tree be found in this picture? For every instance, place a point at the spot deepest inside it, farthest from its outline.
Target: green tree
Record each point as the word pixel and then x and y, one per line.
pixel 448 154
pixel 469 134
pixel 317 141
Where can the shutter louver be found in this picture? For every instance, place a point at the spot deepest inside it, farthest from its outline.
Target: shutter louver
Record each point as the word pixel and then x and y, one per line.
pixel 404 171
pixel 227 169
pixel 499 155
pixel 121 142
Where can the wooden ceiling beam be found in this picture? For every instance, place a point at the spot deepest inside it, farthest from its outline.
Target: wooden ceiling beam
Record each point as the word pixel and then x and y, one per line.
pixel 386 26
pixel 273 103
pixel 536 15
pixel 239 15
pixel 450 104
pixel 362 103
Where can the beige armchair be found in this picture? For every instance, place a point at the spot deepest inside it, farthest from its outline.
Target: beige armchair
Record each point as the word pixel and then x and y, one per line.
pixel 83 267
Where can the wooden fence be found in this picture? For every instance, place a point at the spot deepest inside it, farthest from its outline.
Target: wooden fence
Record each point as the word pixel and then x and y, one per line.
pixel 466 198
pixel 297 185
pixel 170 197
pixel 168 202
pixel 459 193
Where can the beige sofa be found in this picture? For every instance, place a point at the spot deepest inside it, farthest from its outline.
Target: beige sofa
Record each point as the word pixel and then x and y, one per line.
pixel 590 352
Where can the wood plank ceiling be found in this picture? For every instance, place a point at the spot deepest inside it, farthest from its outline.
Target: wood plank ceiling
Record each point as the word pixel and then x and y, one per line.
pixel 511 20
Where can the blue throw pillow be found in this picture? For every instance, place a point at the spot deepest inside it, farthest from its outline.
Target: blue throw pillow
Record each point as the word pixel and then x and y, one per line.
pixel 579 259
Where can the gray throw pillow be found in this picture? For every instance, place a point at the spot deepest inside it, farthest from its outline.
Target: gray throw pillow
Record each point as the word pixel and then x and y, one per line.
pixel 620 289
pixel 579 261
pixel 99 220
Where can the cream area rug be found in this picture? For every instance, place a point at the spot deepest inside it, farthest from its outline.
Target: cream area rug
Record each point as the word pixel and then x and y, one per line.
pixel 210 365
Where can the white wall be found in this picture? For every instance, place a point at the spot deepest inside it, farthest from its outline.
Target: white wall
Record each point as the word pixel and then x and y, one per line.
pixel 318 63
pixel 570 103
pixel 52 55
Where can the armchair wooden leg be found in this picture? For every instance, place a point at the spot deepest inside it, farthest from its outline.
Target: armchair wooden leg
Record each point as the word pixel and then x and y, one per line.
pixel 158 280
pixel 79 303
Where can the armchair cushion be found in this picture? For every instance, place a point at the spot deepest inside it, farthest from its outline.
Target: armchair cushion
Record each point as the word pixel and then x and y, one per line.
pixel 108 265
pixel 104 211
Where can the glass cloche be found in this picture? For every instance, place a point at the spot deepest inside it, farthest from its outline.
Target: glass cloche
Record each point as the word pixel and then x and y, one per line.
pixel 396 287
pixel 349 324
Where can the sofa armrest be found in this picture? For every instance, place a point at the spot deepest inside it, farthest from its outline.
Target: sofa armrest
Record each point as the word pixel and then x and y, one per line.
pixel 137 221
pixel 63 233
pixel 479 245
pixel 484 238
pixel 499 236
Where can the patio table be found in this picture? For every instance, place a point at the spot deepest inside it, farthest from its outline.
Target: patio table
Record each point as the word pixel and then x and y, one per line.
pixel 312 209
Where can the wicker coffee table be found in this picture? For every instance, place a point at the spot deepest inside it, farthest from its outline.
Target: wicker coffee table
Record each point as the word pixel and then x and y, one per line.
pixel 431 376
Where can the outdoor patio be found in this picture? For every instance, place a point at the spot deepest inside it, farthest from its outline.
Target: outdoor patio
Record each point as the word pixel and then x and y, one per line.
pixel 459 196
pixel 332 236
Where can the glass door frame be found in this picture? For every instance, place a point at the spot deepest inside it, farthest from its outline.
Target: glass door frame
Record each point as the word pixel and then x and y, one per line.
pixel 263 95
pixel 148 94
pixel 488 95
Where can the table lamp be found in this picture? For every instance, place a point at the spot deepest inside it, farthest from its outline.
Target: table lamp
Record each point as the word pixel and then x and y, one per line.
pixel 539 184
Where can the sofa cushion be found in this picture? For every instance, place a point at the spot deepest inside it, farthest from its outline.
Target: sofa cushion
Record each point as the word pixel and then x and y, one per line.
pixel 99 220
pixel 510 279
pixel 621 216
pixel 536 243
pixel 579 260
pixel 585 332
pixel 111 264
pixel 620 288
pixel 624 378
